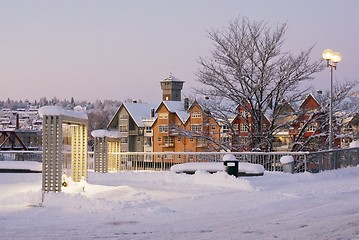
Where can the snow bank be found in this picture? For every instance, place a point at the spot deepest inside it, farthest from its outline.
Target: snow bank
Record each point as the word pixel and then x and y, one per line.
pixel 212 167
pixel 354 144
pixel 250 168
pixel 27 165
pixel 198 166
pixel 166 205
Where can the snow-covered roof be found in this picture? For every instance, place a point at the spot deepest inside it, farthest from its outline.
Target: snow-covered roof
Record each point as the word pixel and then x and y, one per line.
pixel 172 78
pixel 307 98
pixel 178 108
pixel 57 111
pixel 105 133
pixel 139 111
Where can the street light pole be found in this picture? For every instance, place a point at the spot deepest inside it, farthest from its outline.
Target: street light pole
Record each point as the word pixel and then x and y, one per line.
pixel 332 59
pixel 331 110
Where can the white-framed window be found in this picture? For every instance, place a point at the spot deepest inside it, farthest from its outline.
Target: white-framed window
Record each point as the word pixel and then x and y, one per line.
pixel 148 129
pixel 124 140
pixel 123 116
pixel 148 141
pixel 123 128
pixel 201 142
pixel 169 141
pixel 245 113
pixel 196 128
pixel 196 115
pixel 191 139
pixel 169 156
pixel 162 128
pixel 225 139
pixel 163 115
pixel 243 127
pixel 225 128
pixel 312 127
pixel 235 127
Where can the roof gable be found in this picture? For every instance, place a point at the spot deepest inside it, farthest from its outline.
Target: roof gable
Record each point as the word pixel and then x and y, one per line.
pixel 176 107
pixel 309 103
pixel 137 111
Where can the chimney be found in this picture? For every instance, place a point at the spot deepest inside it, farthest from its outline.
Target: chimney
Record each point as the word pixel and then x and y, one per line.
pixel 152 112
pixel 17 121
pixel 186 103
pixel 134 101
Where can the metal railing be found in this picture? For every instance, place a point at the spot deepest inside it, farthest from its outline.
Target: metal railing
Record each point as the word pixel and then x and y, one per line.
pixel 35 156
pixel 332 159
pixel 162 161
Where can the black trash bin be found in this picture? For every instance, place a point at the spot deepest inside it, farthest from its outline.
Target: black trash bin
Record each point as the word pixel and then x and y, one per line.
pixel 230 163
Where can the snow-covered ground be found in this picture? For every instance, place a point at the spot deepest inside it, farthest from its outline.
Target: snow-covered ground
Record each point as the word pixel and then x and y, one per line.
pixel 165 205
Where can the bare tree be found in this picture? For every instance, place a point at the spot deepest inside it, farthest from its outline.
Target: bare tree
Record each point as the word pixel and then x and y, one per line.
pixel 249 68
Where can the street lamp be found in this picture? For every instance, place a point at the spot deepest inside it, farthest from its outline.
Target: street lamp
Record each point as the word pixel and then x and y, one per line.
pixel 332 59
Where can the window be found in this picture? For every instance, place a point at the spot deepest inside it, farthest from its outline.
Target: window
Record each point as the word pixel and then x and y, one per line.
pixel 148 141
pixel 168 141
pixel 169 156
pixel 245 113
pixel 196 115
pixel 162 128
pixel 123 128
pixel 312 127
pixel 123 117
pixel 148 129
pixel 243 127
pixel 225 139
pixel 201 142
pixel 179 139
pixel 159 139
pixel 191 139
pixel 196 128
pixel 163 116
pixel 235 127
pixel 225 128
pixel 124 140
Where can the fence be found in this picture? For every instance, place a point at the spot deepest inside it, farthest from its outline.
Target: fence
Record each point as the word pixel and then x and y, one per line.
pixel 162 161
pixel 332 159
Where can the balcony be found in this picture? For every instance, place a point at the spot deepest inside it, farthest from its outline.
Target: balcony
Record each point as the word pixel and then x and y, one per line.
pixel 135 132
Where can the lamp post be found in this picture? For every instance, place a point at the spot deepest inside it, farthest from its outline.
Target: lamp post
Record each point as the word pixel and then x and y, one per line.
pixel 332 59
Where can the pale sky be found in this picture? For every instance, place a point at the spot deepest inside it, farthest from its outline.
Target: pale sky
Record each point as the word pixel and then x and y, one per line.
pixel 121 49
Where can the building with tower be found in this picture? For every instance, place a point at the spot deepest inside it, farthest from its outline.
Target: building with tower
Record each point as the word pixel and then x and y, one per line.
pixel 171 89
